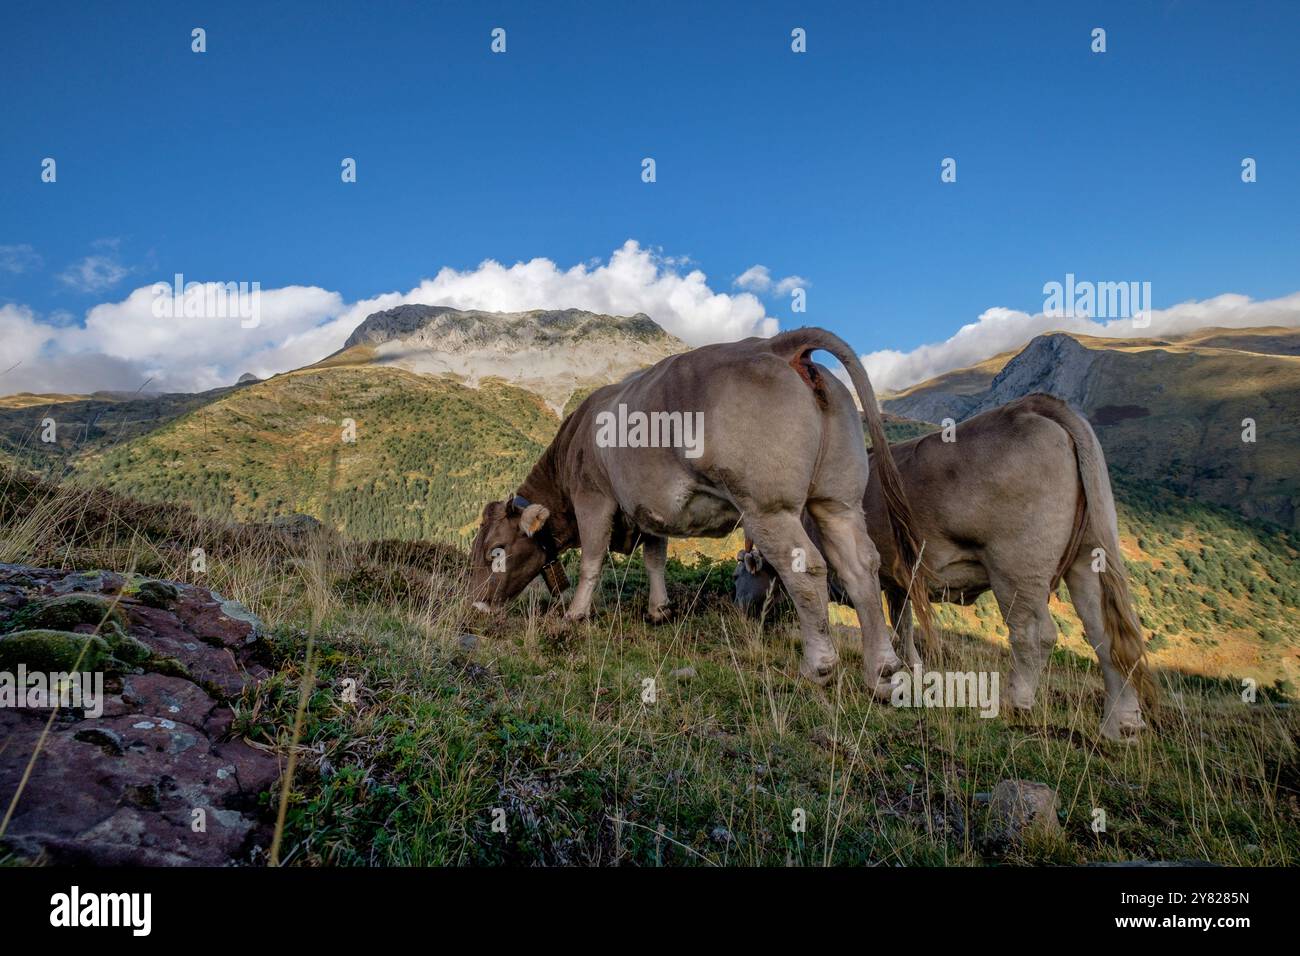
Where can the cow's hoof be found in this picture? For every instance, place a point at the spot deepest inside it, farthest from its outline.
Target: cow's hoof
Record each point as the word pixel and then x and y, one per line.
pixel 660 615
pixel 818 671
pixel 882 689
pixel 1019 698
pixel 1123 728
pixel 882 670
pixel 575 618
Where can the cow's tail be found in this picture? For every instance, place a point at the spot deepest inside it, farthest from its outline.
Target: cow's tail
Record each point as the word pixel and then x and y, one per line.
pixel 1096 513
pixel 796 346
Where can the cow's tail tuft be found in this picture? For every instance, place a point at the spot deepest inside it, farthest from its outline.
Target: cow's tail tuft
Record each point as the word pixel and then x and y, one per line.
pixel 1127 645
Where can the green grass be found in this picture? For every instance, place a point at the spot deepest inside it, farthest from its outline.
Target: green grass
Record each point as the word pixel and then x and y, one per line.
pixel 546 722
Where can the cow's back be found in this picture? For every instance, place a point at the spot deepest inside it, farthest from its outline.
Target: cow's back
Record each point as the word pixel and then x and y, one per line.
pixel 1006 487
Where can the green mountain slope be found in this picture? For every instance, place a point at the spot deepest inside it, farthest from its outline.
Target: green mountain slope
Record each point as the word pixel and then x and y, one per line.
pixel 84 425
pixel 427 452
pixel 1213 589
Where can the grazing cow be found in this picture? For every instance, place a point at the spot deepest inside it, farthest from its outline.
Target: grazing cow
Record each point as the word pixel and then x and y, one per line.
pixel 1019 500
pixel 612 479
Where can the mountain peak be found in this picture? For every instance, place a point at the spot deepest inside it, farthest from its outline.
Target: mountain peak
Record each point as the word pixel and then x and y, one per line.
pixel 551 352
pixel 449 329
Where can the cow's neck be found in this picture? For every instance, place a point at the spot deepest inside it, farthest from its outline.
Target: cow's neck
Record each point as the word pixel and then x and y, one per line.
pixel 544 486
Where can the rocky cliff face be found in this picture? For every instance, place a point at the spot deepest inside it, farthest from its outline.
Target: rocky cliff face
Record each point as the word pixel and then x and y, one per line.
pixel 1056 364
pixel 551 353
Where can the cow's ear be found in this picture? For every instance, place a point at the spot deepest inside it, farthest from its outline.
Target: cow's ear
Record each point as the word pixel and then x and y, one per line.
pixel 740 555
pixel 533 518
pixel 753 561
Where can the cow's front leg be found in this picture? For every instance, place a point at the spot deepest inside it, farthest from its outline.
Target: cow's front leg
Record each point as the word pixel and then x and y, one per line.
pixel 595 522
pixel 654 550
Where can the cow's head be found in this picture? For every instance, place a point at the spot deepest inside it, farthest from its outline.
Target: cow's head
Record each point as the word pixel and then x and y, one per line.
pixel 754 578
pixel 512 547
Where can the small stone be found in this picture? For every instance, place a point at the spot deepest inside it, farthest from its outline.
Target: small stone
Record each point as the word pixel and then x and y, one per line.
pixel 467 642
pixel 720 835
pixel 684 673
pixel 1018 807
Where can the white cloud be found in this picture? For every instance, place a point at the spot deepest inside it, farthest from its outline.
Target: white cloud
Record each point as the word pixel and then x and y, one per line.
pixel 789 284
pixel 97 272
pixel 122 344
pixel 634 280
pixel 1000 330
pixel 18 259
pixel 755 279
pixel 758 279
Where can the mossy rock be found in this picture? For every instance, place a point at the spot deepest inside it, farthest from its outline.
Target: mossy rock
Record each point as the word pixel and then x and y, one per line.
pixel 66 612
pixel 159 594
pixel 129 650
pixel 43 649
pixel 170 667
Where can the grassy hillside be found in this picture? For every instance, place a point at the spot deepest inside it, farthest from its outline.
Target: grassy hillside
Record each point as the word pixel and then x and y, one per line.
pixel 84 425
pixel 427 452
pixel 1214 590
pixel 550 724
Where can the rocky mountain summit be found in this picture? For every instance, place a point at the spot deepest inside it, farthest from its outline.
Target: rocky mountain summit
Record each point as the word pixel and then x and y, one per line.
pixel 1057 364
pixel 156 778
pixel 551 353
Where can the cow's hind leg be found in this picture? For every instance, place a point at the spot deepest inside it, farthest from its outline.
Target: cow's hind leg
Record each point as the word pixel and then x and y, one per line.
pixel 654 550
pixel 783 543
pixel 857 562
pixel 1031 631
pixel 1122 719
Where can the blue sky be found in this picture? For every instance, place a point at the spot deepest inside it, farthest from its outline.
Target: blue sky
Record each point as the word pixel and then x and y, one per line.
pixel 225 165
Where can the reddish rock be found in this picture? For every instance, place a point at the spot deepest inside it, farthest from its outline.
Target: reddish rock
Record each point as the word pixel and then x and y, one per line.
pixel 123 788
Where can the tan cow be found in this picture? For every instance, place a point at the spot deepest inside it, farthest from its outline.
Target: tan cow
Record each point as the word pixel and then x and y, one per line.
pixel 669 452
pixel 1020 499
